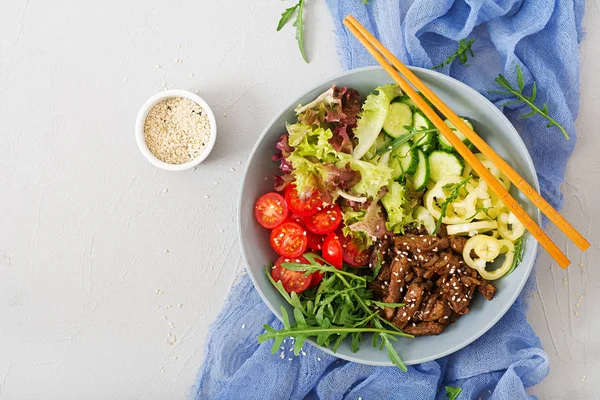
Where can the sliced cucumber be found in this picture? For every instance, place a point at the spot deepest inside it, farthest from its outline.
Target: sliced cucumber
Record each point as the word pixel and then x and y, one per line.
pixel 442 163
pixel 445 144
pixel 426 141
pixel 410 103
pixel 421 175
pixel 399 114
pixel 403 160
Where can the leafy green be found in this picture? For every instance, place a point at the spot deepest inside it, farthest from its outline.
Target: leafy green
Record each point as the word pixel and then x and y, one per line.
pixel 398 207
pixel 462 53
pixel 372 177
pixel 350 217
pixel 297 132
pixel 313 159
pixel 452 392
pixel 518 252
pixel 298 24
pixel 340 307
pixel 528 100
pixel 286 16
pixel 325 102
pixel 372 117
pixel 454 189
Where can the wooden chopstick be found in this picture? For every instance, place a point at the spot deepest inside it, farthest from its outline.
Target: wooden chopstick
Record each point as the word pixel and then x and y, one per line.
pixel 361 34
pixel 481 145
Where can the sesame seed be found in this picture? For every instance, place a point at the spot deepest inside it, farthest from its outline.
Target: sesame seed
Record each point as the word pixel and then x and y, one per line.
pixel 243 326
pixel 318 358
pixel 177 130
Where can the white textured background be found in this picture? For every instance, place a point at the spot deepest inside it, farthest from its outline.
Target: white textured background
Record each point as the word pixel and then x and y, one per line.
pixel 86 220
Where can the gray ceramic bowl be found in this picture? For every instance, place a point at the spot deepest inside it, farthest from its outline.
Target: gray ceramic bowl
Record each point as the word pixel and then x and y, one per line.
pixel 493 127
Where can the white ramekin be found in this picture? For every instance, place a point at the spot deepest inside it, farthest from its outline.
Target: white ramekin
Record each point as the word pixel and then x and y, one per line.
pixel 141 119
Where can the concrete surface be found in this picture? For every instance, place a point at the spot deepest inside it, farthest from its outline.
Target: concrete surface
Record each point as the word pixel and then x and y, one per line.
pixel 102 256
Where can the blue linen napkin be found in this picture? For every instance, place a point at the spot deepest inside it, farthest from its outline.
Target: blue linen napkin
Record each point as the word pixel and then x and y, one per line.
pixel 541 36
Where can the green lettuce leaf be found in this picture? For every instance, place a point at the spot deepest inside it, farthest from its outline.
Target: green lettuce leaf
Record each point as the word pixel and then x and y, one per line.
pixel 373 177
pixel 297 132
pixel 318 106
pixel 351 217
pixel 316 164
pixel 372 117
pixel 315 143
pixel 398 208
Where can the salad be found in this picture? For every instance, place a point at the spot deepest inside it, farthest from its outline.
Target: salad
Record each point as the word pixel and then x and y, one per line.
pixel 379 225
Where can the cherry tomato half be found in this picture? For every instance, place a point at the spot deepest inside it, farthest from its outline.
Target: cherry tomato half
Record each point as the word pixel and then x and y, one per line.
pixel 292 281
pixel 270 210
pixel 352 254
pixel 315 242
pixel 295 218
pixel 301 207
pixel 332 250
pixel 289 240
pixel 324 221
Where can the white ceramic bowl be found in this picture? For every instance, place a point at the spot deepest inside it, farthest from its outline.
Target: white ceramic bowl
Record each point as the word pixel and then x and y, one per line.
pixel 141 119
pixel 491 125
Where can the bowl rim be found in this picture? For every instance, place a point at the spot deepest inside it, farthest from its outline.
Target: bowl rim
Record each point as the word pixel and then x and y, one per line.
pixel 473 337
pixel 143 114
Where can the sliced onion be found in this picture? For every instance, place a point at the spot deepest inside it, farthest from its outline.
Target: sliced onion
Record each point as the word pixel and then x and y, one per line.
pixel 347 196
pixel 479 227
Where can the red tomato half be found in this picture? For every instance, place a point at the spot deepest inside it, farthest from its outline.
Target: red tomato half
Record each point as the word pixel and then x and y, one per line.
pixel 292 281
pixel 289 240
pixel 271 210
pixel 295 218
pixel 324 221
pixel 315 242
pixel 352 254
pixel 298 206
pixel 332 250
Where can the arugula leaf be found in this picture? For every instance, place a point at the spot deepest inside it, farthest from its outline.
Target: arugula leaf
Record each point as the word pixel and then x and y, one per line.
pixel 528 100
pixel 286 16
pixel 299 24
pixel 454 189
pixel 452 392
pixel 377 267
pixel 403 139
pixel 339 308
pixel 462 53
pixel 518 252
